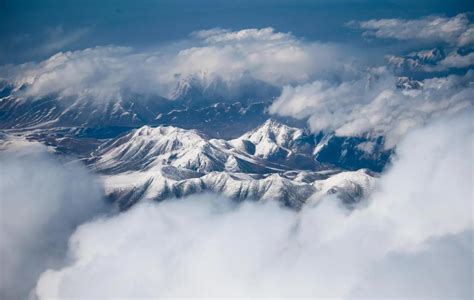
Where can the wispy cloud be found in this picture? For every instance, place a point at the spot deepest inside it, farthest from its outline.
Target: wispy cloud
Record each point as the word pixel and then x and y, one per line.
pixel 456 31
pixel 57 38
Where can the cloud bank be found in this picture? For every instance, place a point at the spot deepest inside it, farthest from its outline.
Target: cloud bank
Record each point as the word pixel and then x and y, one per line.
pixel 414 239
pixel 455 31
pixel 373 104
pixel 42 201
pixel 107 72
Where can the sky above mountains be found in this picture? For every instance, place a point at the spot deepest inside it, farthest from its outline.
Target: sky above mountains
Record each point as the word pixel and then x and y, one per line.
pixel 335 65
pixel 31 30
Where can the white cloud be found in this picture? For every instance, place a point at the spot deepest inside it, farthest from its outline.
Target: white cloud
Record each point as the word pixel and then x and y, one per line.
pixel 42 200
pixel 454 60
pixel 456 31
pixel 217 35
pixel 414 239
pixel 106 72
pixel 373 104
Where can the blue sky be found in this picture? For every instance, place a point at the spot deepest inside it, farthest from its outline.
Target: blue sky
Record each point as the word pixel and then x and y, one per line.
pixel 33 30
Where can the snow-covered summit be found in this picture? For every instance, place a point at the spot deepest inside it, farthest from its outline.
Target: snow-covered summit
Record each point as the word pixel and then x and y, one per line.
pixel 163 145
pixel 279 143
pixel 272 137
pixel 349 186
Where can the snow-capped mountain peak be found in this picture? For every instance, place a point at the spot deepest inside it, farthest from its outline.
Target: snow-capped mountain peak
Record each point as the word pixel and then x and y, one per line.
pixel 270 139
pixel 280 143
pixel 274 132
pixel 163 145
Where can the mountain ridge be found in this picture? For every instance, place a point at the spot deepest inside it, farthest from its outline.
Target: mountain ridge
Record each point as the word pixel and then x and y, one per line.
pixel 155 163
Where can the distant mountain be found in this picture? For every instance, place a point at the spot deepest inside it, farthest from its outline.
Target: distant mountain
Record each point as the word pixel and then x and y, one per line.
pixel 77 126
pixel 53 111
pixel 433 62
pixel 219 108
pixel 416 61
pixel 194 90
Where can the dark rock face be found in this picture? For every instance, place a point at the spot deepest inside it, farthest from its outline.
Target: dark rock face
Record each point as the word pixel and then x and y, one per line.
pixel 348 153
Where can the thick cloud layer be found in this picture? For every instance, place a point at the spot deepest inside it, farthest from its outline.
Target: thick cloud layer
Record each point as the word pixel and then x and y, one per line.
pixel 42 201
pixel 456 31
pixel 373 104
pixel 414 239
pixel 106 72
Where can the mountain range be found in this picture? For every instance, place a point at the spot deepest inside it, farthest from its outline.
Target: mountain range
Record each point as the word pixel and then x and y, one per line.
pixel 273 161
pixel 151 148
